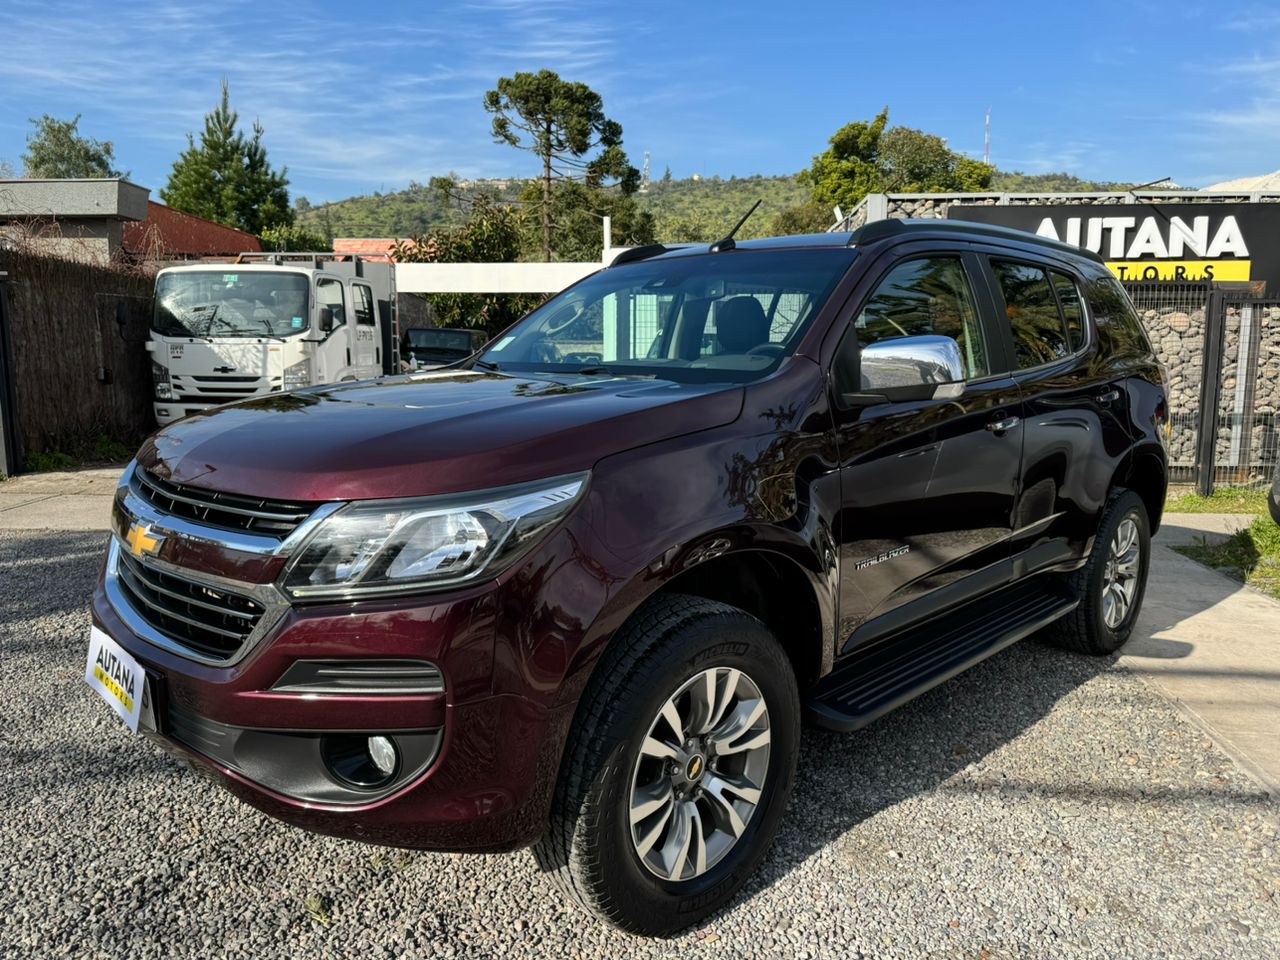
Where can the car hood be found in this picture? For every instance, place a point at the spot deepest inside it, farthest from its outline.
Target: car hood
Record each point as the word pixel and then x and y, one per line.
pixel 431 433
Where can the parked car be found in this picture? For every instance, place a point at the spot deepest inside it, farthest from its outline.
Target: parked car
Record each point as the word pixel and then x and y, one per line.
pixel 585 606
pixel 426 347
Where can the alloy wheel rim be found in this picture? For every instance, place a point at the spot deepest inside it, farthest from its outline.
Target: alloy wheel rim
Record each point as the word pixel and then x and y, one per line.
pixel 1120 577
pixel 700 774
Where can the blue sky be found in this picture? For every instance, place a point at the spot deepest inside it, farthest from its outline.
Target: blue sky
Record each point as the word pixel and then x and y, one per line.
pixel 356 98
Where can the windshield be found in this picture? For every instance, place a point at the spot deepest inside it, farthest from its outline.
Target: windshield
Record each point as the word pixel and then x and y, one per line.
pixel 725 316
pixel 227 303
pixel 444 343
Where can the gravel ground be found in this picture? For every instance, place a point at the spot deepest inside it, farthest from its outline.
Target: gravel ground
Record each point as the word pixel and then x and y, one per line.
pixel 1042 805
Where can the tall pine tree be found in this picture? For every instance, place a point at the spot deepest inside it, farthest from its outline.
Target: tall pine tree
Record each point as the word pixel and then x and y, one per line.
pixel 227 178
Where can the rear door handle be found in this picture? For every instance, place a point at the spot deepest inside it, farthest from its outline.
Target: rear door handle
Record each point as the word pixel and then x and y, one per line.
pixel 1109 396
pixel 1003 426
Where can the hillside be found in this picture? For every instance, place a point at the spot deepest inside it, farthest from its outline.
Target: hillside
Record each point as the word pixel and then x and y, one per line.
pixel 677 204
pixel 684 209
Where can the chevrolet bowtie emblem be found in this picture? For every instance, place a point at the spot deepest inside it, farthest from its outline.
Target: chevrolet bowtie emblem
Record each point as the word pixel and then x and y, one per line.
pixel 141 540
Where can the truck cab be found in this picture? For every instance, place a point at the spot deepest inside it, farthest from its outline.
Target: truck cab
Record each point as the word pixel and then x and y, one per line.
pixel 268 323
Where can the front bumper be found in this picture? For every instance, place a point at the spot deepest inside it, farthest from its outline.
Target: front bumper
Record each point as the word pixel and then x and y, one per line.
pixel 489 760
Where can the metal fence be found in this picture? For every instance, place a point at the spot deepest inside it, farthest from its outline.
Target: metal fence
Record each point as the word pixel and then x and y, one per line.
pixel 1221 349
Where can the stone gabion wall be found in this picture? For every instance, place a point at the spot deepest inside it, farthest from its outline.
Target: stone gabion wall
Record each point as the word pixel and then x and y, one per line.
pixel 1177 335
pixel 1246 445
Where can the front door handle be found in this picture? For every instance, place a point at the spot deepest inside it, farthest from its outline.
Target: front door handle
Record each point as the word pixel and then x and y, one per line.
pixel 1003 426
pixel 1109 396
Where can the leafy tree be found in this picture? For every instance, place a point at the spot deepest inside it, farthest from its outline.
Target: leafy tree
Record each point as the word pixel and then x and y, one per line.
pixel 577 212
pixel 849 169
pixel 6 170
pixel 695 227
pixel 811 217
pixel 292 238
pixel 227 178
pixel 301 205
pixel 666 175
pixel 560 123
pixel 865 157
pixel 491 234
pixel 57 151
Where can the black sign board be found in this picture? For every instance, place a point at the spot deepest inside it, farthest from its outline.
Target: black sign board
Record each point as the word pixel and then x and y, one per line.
pixel 1223 242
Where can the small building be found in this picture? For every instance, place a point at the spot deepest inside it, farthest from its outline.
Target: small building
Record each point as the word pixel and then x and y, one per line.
pixel 104 220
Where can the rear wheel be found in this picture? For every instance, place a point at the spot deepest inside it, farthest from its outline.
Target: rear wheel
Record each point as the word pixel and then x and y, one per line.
pixel 1112 583
pixel 677 769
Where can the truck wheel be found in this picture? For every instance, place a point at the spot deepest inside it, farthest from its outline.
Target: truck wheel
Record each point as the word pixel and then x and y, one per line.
pixel 1111 585
pixel 677 768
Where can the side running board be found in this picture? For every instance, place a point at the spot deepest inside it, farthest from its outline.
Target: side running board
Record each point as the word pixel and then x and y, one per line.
pixel 869 683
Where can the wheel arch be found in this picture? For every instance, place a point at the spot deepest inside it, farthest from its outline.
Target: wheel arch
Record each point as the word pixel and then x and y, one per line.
pixel 1145 472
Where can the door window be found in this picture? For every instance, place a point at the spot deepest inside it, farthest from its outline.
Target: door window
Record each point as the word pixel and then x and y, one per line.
pixel 928 296
pixel 1039 333
pixel 329 294
pixel 363 305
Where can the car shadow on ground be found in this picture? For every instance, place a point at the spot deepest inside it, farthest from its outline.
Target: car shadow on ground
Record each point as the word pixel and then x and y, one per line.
pixel 843 780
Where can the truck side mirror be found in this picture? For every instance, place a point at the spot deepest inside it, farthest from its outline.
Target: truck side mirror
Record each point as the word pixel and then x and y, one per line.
pixel 326 319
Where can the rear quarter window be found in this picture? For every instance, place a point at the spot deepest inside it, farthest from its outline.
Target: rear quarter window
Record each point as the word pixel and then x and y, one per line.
pixel 1120 332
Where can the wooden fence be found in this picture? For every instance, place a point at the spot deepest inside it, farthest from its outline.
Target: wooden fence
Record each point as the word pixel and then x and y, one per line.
pixel 79 377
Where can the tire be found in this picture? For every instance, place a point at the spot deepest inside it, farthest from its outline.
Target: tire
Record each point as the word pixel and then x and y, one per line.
pixel 592 851
pixel 1086 629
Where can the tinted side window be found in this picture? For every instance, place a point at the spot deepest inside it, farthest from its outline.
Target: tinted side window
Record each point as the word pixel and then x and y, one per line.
pixel 1119 329
pixel 363 304
pixel 1039 335
pixel 1072 310
pixel 930 296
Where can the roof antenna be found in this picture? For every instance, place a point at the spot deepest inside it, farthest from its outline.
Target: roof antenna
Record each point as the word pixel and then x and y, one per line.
pixel 728 243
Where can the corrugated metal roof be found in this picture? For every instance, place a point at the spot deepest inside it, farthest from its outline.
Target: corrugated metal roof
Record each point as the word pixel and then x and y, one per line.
pixel 168 234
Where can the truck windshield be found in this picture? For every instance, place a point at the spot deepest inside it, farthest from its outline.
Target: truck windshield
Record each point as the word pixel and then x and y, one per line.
pixel 227 303
pixel 730 316
pixel 439 344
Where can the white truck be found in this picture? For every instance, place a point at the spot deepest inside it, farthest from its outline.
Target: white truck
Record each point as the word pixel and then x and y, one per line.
pixel 266 323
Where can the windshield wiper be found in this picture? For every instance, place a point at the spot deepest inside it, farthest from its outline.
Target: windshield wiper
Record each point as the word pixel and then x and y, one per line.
pixel 485 365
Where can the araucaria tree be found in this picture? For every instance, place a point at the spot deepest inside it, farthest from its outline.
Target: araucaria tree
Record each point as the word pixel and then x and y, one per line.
pixel 226 176
pixel 562 123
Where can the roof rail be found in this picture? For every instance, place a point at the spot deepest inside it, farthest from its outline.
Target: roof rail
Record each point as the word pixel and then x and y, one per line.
pixel 276 256
pixel 884 229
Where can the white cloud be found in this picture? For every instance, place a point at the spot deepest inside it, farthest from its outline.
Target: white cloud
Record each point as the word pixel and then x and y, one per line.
pixel 362 102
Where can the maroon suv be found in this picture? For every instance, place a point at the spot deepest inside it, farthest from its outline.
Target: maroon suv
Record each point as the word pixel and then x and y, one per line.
pixel 579 590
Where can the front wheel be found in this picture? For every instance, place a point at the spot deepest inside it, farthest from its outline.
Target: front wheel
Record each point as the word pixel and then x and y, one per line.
pixel 1112 583
pixel 677 769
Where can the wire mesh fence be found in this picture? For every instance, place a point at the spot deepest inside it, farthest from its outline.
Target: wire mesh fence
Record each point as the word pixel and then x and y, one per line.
pixel 1175 316
pixel 1221 351
pixel 1245 442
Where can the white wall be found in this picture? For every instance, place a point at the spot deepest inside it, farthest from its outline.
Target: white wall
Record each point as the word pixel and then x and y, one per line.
pixel 490 277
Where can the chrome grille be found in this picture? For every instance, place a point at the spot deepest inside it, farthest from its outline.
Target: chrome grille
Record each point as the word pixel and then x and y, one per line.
pixel 211 622
pixel 226 511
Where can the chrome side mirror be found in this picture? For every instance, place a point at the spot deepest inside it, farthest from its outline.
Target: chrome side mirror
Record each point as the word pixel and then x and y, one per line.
pixel 910 368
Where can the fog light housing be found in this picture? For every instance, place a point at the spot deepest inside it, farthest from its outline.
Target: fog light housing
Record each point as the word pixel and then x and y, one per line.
pixel 361 761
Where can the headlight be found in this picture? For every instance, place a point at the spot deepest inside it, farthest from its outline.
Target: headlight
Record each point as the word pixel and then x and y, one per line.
pixel 298 374
pixel 398 546
pixel 160 379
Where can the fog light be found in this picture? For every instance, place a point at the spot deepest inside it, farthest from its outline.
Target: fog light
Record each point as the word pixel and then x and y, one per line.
pixel 383 754
pixel 364 762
